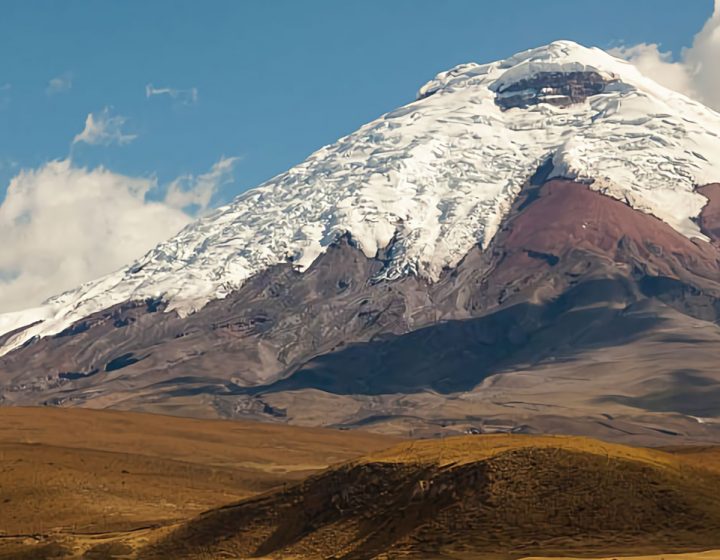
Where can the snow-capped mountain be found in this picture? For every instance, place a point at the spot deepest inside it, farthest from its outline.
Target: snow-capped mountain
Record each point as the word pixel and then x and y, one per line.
pixel 428 181
pixel 538 237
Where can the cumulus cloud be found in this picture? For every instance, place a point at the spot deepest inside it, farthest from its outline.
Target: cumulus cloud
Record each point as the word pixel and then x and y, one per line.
pixel 62 225
pixel 184 96
pixel 695 73
pixel 103 129
pixel 59 84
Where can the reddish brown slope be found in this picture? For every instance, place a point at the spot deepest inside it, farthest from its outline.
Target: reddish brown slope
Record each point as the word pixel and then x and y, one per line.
pixel 710 216
pixel 568 217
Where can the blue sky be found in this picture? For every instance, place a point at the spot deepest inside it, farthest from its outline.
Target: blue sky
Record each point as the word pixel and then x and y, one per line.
pixel 121 121
pixel 274 79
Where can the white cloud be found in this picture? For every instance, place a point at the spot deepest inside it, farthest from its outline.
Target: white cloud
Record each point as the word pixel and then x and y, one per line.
pixel 196 192
pixel 59 84
pixel 184 96
pixel 62 225
pixel 104 128
pixel 696 73
pixel 658 65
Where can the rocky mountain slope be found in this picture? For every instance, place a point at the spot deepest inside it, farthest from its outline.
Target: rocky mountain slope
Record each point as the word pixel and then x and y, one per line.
pixel 531 245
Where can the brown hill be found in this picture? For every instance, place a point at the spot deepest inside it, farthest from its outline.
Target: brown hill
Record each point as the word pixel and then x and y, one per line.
pixel 471 497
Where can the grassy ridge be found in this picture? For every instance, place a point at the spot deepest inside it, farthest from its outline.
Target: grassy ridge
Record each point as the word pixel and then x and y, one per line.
pixel 470 497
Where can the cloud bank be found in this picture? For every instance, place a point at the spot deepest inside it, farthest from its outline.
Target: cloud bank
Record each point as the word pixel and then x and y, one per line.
pixel 696 73
pixel 63 225
pixel 103 129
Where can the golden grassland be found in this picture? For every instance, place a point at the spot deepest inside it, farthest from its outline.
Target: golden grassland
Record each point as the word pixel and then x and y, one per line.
pixel 81 477
pixel 116 485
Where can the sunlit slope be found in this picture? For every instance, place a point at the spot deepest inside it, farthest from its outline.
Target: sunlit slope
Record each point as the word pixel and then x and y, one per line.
pixel 472 497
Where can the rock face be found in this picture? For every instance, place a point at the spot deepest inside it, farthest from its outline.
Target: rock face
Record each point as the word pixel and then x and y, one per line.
pixel 522 249
pixel 556 88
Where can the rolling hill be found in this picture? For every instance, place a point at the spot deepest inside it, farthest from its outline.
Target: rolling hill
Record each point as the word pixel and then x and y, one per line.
pixel 501 497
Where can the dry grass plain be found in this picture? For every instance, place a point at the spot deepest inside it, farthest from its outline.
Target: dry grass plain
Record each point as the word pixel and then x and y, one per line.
pixel 88 484
pixel 75 479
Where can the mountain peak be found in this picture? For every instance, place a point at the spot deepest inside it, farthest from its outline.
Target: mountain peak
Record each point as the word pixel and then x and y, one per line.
pixel 564 52
pixel 559 58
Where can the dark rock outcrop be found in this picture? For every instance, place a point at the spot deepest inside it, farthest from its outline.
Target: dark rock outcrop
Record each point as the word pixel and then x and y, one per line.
pixel 556 88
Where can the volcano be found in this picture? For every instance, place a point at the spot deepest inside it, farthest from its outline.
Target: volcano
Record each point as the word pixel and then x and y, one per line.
pixel 530 246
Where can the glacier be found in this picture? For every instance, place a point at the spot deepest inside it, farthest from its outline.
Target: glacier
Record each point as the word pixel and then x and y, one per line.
pixel 426 182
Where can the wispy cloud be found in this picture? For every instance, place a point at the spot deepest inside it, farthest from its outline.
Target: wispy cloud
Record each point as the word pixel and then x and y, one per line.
pixel 59 84
pixel 104 128
pixel 184 96
pixel 191 192
pixel 695 73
